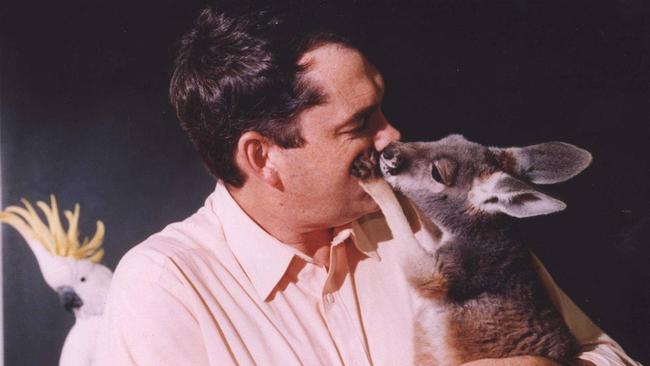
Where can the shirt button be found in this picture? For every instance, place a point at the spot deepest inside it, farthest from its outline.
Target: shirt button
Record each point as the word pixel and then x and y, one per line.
pixel 329 298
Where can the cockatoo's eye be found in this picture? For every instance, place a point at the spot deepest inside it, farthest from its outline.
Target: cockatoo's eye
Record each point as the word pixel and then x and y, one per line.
pixel 83 279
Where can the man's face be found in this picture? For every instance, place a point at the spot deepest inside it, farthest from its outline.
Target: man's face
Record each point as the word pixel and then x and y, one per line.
pixel 316 177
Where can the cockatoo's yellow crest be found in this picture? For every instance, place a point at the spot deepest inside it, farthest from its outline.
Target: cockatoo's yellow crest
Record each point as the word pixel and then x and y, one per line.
pixel 52 236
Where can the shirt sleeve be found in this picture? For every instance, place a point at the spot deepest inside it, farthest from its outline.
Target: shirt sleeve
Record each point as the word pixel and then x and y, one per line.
pixel 597 347
pixel 146 321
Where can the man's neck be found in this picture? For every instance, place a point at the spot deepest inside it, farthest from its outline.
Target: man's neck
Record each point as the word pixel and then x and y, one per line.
pixel 315 243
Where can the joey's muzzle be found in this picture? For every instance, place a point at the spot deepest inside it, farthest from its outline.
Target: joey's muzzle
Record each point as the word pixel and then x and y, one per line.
pixel 392 162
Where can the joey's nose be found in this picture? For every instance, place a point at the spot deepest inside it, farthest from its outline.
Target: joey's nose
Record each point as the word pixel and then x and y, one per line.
pixel 392 162
pixel 389 152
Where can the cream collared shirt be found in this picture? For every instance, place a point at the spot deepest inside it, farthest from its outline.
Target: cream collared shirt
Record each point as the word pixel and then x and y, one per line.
pixel 216 289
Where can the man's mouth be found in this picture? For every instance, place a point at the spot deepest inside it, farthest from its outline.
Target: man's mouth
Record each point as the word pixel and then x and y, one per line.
pixel 365 165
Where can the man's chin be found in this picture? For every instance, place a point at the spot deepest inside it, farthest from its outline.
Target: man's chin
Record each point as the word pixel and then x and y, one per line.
pixel 370 205
pixel 362 204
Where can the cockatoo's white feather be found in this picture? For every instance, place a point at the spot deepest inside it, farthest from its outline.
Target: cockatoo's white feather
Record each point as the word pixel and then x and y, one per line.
pixel 70 268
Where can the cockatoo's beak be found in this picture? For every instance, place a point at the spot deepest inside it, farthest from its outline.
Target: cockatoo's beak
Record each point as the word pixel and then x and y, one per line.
pixel 68 298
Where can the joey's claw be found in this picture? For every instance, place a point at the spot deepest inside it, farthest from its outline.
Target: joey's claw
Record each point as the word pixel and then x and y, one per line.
pixel 365 165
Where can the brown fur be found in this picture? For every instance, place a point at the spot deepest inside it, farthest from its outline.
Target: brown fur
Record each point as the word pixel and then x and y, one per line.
pixel 421 345
pixel 507 161
pixel 435 287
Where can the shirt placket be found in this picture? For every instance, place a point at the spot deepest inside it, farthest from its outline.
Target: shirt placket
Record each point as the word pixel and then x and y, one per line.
pixel 340 323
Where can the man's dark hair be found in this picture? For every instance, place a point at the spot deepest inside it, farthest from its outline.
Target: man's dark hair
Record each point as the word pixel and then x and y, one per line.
pixel 237 71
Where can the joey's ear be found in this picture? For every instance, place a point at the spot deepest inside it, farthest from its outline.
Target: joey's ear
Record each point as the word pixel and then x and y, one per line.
pixel 504 193
pixel 255 158
pixel 547 163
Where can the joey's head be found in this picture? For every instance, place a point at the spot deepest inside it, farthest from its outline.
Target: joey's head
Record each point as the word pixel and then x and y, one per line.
pixel 452 180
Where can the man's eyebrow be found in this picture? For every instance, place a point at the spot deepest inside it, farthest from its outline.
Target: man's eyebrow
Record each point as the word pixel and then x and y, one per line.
pixel 365 112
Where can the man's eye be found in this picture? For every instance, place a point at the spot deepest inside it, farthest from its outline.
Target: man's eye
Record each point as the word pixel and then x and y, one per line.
pixel 363 122
pixel 361 125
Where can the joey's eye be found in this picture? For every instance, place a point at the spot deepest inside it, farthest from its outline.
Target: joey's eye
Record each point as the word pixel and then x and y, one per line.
pixel 83 279
pixel 444 171
pixel 435 174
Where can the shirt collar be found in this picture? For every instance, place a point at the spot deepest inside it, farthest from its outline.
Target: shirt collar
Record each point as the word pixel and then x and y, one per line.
pixel 354 231
pixel 264 258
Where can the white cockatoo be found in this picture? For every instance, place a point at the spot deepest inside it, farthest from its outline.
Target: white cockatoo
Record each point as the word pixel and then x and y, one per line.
pixel 70 268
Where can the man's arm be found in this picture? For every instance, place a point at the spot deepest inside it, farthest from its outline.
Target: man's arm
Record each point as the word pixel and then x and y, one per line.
pixel 146 321
pixel 522 360
pixel 597 347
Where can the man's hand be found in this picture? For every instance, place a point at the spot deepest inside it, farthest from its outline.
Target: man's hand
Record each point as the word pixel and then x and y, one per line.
pixel 513 361
pixel 522 361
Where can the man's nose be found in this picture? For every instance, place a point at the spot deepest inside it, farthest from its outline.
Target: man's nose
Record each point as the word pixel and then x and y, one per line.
pixel 385 135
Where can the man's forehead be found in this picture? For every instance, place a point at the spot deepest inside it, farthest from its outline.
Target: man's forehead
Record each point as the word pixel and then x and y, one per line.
pixel 342 72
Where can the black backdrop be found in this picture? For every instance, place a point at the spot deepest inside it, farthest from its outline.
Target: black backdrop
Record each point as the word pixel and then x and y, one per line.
pixel 84 115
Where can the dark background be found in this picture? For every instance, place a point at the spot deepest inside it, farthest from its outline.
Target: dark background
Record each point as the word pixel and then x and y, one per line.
pixel 84 115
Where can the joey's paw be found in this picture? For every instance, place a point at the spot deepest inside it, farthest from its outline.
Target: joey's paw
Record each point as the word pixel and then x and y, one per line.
pixel 365 165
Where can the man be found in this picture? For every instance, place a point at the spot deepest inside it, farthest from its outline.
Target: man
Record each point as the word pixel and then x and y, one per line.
pixel 286 263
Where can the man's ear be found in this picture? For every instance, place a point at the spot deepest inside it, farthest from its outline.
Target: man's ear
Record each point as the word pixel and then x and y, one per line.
pixel 255 158
pixel 503 193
